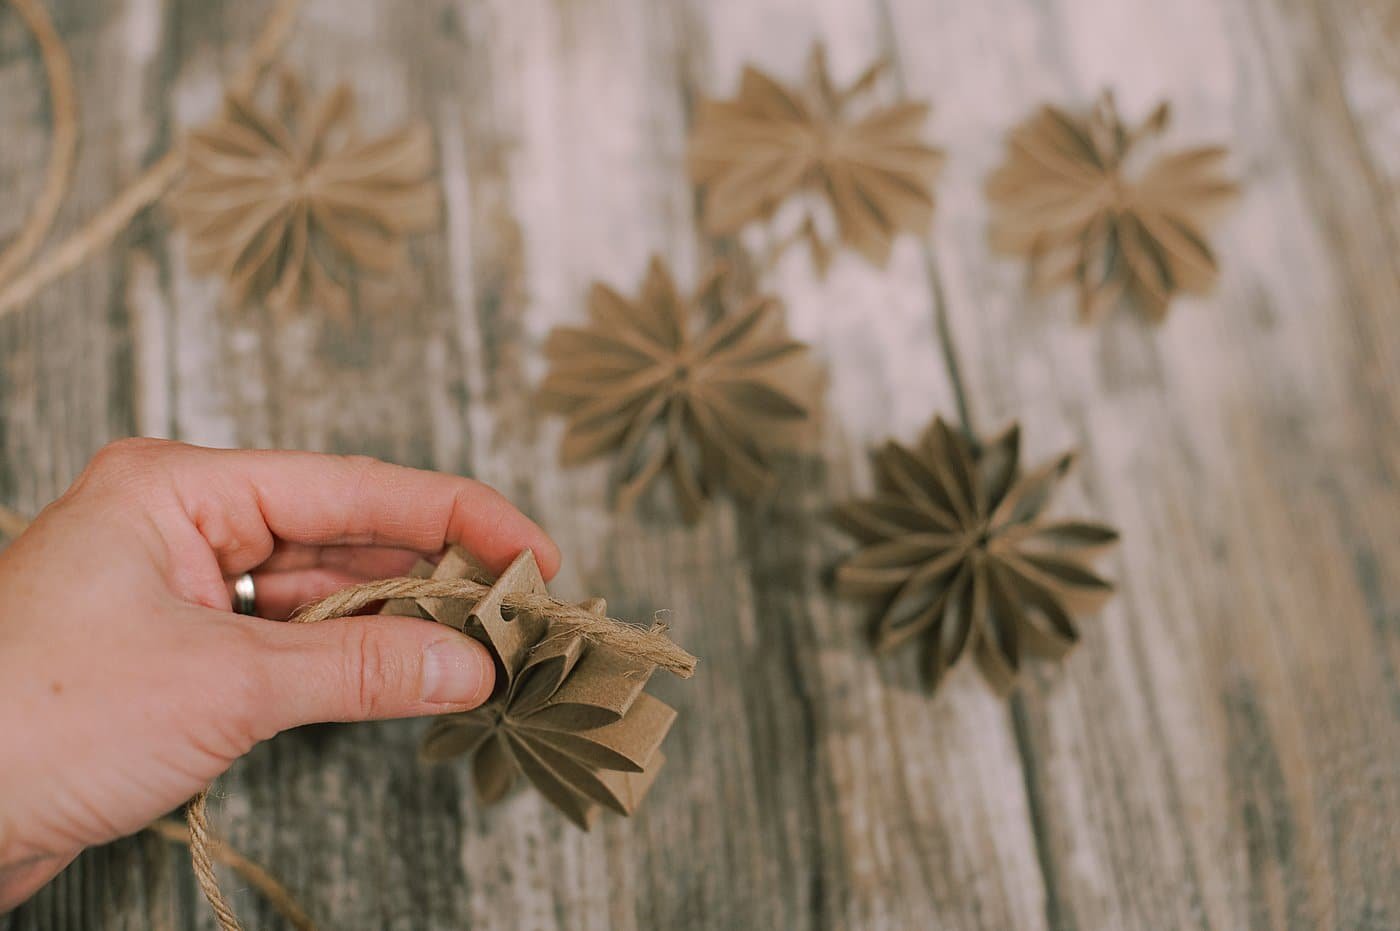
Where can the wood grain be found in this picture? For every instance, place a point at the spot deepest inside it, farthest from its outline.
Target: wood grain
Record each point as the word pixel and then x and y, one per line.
pixel 1224 750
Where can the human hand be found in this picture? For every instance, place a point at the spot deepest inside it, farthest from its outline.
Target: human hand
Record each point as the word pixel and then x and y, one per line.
pixel 127 685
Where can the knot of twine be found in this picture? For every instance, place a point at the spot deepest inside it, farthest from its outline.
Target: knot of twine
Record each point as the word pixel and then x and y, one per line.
pixel 645 643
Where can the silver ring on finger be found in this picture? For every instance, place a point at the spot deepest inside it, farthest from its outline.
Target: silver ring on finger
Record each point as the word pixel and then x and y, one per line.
pixel 245 595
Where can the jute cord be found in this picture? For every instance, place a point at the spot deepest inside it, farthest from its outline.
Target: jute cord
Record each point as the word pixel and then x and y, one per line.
pixel 96 233
pixel 63 107
pixel 211 851
pixel 644 643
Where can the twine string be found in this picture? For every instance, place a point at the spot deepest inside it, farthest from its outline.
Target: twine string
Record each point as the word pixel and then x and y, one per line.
pixel 63 145
pixel 644 643
pixel 649 644
pixel 202 858
pixel 96 233
pixel 211 852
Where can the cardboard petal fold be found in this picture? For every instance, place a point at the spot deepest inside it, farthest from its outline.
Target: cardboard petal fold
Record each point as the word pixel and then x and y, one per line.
pixel 569 714
pixel 956 548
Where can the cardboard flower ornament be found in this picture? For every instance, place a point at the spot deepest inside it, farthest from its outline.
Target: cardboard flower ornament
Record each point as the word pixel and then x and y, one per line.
pixel 569 714
pixel 669 389
pixel 957 547
pixel 1090 201
pixel 285 201
pixel 869 163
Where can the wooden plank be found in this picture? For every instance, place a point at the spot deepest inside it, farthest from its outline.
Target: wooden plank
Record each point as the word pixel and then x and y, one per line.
pixel 1221 753
pixel 1361 39
pixel 1187 759
pixel 950 765
pixel 66 360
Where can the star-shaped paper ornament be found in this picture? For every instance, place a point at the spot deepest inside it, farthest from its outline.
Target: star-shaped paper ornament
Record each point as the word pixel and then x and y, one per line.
pixel 1084 201
pixel 957 548
pixel 869 163
pixel 288 202
pixel 670 390
pixel 569 714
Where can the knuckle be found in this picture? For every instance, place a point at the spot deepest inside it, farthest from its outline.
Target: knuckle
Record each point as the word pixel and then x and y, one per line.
pixel 125 463
pixel 359 462
pixel 246 712
pixel 374 671
pixel 363 472
pixel 247 708
pixel 126 454
pixel 482 505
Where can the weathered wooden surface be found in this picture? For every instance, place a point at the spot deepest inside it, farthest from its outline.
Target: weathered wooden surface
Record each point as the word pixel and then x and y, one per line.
pixel 1224 750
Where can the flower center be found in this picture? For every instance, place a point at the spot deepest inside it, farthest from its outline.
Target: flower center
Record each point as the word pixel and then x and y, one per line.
pixel 827 140
pixel 300 178
pixel 296 184
pixel 683 372
pixel 1119 189
pixel 981 536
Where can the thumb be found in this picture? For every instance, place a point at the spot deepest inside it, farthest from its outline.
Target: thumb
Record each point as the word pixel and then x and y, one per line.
pixel 372 667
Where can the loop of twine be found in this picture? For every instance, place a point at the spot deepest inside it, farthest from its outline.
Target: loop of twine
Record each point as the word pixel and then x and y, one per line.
pixel 205 852
pixel 202 859
pixel 63 145
pixel 645 643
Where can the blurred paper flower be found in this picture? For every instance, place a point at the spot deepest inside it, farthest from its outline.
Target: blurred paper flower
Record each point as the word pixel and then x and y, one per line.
pixel 1071 198
pixel 671 392
pixel 274 201
pixel 750 153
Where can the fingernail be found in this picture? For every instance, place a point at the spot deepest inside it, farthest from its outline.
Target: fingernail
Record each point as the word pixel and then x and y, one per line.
pixel 458 671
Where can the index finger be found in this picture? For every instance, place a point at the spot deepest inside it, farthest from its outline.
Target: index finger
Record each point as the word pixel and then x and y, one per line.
pixel 243 501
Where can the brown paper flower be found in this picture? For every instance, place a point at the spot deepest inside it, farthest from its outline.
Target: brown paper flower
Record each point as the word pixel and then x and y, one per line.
pixel 750 153
pixel 568 713
pixel 275 200
pixel 957 546
pixel 1075 197
pixel 671 393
